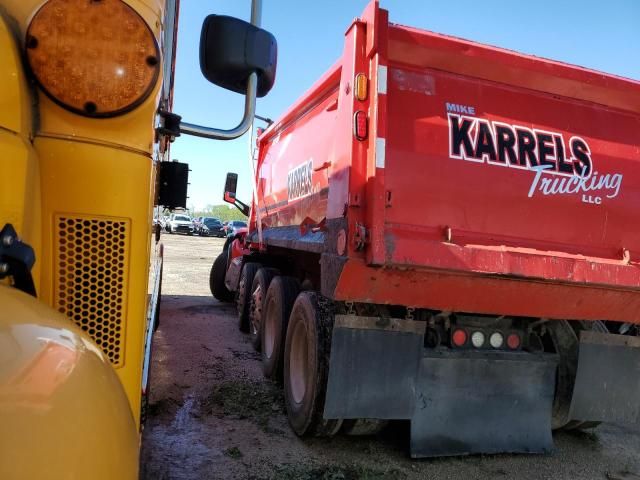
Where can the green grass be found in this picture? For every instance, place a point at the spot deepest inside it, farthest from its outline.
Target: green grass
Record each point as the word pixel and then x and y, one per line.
pixel 233 452
pixel 246 399
pixel 334 472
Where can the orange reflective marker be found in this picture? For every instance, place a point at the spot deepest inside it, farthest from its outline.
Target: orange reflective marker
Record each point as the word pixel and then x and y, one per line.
pixel 361 89
pixel 97 59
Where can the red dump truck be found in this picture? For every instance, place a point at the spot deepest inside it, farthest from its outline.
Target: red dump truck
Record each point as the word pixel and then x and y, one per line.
pixel 444 232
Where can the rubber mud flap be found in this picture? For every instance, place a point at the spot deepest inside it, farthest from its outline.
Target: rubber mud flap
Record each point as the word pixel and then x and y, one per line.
pixel 607 387
pixel 372 367
pixel 471 402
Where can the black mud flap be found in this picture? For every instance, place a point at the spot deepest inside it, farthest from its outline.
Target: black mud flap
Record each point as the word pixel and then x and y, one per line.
pixel 483 402
pixel 372 367
pixel 607 387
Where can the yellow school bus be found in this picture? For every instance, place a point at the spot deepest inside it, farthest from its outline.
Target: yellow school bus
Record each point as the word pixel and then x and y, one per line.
pixel 85 131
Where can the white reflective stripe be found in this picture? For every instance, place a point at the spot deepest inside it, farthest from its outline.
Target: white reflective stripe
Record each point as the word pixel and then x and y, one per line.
pixel 381 144
pixel 382 79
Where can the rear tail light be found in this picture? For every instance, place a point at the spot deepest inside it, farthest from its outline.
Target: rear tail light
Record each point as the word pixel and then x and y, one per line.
pixel 477 339
pixel 496 340
pixel 360 125
pixel 513 341
pixel 459 337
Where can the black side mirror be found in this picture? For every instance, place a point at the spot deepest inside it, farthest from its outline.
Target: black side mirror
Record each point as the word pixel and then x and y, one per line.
pixel 230 187
pixel 232 49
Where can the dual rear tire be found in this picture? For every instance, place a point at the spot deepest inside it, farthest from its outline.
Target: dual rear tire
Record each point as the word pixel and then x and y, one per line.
pixel 293 331
pixel 278 303
pixel 252 291
pixel 306 366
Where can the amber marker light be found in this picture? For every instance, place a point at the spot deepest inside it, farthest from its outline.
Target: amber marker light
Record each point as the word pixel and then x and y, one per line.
pixel 94 57
pixel 361 87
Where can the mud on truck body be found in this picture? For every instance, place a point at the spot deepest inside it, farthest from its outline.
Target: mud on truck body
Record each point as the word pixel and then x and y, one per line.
pixel 442 232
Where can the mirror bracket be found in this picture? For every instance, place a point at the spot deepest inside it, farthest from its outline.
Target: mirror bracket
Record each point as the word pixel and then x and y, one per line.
pixel 249 103
pixel 240 129
pixel 170 126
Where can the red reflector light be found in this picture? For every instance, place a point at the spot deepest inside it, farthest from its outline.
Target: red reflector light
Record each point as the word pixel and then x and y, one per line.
pixel 459 338
pixel 513 341
pixel 360 125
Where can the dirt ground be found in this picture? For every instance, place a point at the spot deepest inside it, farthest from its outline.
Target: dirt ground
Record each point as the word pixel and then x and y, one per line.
pixel 213 416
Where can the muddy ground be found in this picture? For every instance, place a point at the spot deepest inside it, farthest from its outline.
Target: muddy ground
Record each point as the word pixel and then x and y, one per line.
pixel 213 416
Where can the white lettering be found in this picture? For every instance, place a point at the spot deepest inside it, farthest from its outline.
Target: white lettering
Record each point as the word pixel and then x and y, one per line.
pixel 300 181
pixel 554 185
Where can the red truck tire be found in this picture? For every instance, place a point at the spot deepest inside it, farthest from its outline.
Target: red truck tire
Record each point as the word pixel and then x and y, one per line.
pixel 306 367
pixel 278 303
pixel 259 287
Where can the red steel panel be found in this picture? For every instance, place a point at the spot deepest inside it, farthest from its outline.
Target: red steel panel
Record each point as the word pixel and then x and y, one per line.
pixel 490 182
pixel 490 177
pixel 485 294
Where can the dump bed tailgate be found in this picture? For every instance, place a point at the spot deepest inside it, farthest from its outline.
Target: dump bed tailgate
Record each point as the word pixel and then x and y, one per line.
pixel 487 171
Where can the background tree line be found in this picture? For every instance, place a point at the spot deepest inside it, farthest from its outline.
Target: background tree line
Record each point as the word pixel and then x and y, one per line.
pixel 223 212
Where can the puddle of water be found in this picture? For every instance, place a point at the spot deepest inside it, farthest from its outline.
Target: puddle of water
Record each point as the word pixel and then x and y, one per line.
pixel 178 447
pixel 183 415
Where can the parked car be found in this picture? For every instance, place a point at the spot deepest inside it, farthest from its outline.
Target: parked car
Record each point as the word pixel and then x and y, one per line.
pixel 197 224
pixel 180 223
pixel 209 226
pixel 235 226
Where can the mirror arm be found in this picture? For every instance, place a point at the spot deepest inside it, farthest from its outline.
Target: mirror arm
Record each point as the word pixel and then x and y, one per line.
pixel 243 126
pixel 243 207
pixel 249 102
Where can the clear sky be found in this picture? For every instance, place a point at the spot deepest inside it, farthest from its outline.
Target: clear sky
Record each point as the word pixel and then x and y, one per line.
pixel 598 34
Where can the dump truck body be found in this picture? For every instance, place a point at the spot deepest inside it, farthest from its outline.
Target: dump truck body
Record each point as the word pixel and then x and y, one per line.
pixel 445 197
pixel 473 172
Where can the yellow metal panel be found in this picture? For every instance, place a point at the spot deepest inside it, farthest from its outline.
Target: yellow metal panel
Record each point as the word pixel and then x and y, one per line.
pixel 20 193
pixel 93 182
pixel 89 169
pixel 63 412
pixel 15 114
pixel 20 189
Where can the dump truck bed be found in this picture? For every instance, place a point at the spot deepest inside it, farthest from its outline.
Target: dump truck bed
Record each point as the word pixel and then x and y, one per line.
pixel 498 182
pixel 500 152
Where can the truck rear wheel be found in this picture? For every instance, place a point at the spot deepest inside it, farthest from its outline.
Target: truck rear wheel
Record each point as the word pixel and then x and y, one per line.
pixel 277 308
pixel 259 287
pixel 216 278
pixel 306 367
pixel 249 271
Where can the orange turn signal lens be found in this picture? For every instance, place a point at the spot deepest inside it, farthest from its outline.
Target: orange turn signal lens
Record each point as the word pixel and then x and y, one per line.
pixel 95 58
pixel 361 87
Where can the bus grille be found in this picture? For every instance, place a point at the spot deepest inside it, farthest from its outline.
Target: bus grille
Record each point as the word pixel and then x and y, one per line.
pixel 91 276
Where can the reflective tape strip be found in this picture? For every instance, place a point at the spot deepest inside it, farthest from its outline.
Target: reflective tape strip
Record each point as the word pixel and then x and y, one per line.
pixel 381 144
pixel 382 79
